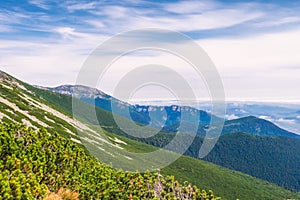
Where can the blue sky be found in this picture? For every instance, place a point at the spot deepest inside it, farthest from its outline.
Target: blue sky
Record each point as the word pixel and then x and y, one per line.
pixel 254 44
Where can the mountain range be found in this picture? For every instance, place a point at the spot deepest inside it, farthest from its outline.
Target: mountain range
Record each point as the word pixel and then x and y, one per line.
pixel 171 115
pixel 252 161
pixel 38 107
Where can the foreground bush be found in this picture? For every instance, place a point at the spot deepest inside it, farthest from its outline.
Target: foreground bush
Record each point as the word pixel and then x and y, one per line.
pixel 35 162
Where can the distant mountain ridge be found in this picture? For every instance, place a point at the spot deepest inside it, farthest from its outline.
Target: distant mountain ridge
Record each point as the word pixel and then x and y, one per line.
pixel 139 113
pixel 282 114
pixel 256 126
pixel 171 115
pixel 86 92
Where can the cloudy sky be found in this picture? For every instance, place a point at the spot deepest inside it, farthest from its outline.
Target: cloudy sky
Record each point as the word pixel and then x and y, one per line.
pixel 255 45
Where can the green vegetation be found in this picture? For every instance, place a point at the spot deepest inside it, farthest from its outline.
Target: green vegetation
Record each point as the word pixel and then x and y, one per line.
pixel 15 95
pixel 226 183
pixel 60 102
pixel 271 158
pixel 33 162
pixel 87 171
pixel 256 126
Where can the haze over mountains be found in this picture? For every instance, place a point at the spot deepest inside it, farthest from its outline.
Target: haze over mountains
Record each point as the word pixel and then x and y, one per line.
pixel 171 114
pixel 283 114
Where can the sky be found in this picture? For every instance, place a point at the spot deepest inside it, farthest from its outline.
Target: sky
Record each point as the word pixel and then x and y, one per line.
pixel 255 45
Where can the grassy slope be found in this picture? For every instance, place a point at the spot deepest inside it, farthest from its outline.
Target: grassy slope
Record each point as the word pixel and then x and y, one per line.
pixel 33 162
pixel 268 158
pixel 226 183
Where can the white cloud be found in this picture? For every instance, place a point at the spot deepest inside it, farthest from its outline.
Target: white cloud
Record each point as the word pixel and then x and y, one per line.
pixel 96 24
pixel 66 32
pixel 259 66
pixel 231 117
pixel 131 18
pixel 187 7
pixel 11 17
pixel 243 111
pixel 280 21
pixel 4 28
pixel 254 67
pixel 261 52
pixel 117 12
pixel 81 6
pixel 44 62
pixel 40 3
pixel 263 67
pixel 268 118
pixel 286 121
pixel 195 22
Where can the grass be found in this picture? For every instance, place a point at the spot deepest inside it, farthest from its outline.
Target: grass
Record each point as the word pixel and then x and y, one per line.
pixel 224 182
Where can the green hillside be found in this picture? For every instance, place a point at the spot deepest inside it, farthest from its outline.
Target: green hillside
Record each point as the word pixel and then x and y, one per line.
pixel 256 126
pixel 226 183
pixel 271 158
pixel 21 103
pixel 34 163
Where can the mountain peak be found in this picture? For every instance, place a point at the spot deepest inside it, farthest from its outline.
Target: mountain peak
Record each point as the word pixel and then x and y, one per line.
pixel 10 81
pixel 3 76
pixel 79 90
pixel 256 126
